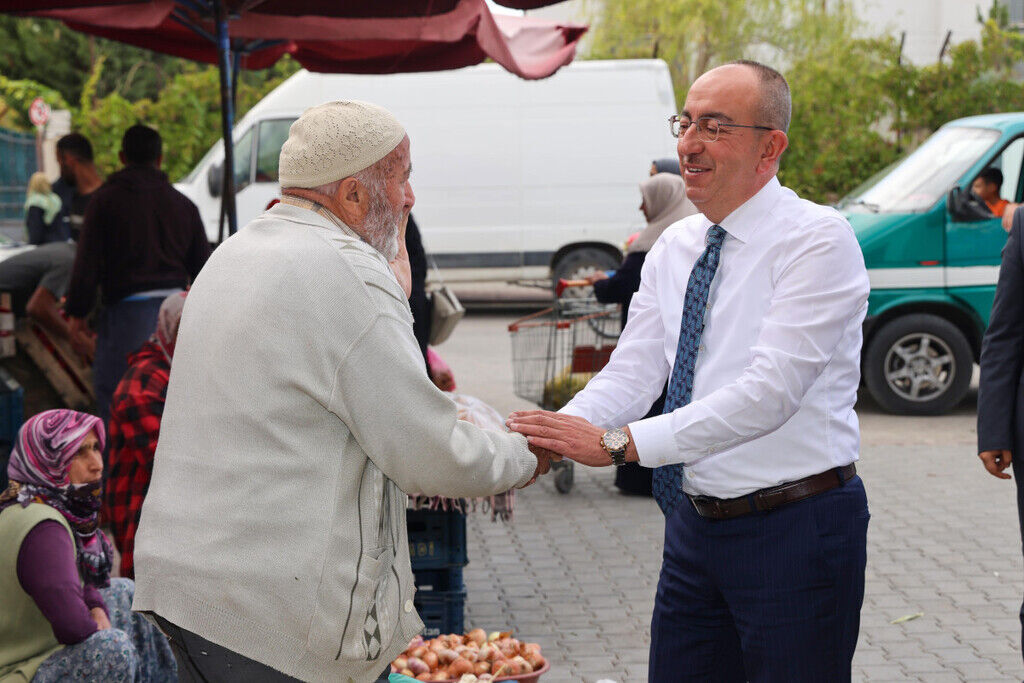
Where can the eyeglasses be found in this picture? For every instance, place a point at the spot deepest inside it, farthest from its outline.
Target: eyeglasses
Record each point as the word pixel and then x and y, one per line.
pixel 708 127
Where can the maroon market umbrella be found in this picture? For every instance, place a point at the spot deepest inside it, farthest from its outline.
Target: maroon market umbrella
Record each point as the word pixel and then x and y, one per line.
pixel 352 36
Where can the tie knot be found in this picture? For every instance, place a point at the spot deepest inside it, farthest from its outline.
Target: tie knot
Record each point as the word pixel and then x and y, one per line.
pixel 715 236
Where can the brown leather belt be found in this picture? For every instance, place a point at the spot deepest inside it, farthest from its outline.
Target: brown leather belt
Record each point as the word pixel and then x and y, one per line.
pixel 774 497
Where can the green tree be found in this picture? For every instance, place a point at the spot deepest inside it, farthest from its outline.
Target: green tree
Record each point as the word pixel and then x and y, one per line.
pixel 186 113
pixel 690 36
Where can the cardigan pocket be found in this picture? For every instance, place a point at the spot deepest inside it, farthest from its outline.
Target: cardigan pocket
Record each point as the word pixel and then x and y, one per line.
pixel 348 643
pixel 373 612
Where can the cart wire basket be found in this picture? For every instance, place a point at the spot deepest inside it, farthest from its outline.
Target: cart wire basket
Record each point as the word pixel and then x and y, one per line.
pixel 556 351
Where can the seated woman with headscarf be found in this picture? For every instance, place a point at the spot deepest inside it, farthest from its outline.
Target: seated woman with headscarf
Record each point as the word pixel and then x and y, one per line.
pixel 664 203
pixel 135 413
pixel 44 221
pixel 61 616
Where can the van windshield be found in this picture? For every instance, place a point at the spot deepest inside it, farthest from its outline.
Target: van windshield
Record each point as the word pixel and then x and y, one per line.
pixel 916 182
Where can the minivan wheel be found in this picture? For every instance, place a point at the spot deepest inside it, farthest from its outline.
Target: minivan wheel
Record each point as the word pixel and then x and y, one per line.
pixel 578 264
pixel 919 364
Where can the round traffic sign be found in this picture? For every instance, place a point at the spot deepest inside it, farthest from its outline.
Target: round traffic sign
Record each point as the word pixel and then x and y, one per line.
pixel 39 112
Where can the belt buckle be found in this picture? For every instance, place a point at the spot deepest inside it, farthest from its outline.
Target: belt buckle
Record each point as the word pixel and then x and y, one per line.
pixel 711 504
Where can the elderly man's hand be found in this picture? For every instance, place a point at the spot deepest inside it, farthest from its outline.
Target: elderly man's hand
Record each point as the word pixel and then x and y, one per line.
pixel 566 435
pixel 400 265
pixel 544 460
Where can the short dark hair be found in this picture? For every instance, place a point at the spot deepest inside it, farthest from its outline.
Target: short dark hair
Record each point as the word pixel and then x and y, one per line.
pixel 992 175
pixel 141 145
pixel 77 145
pixel 776 104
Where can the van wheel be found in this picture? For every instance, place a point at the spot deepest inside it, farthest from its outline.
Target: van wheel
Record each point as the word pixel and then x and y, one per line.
pixel 919 364
pixel 578 264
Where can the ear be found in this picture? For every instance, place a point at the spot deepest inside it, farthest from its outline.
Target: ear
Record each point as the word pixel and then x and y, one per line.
pixel 159 161
pixel 774 144
pixel 353 202
pixel 120 155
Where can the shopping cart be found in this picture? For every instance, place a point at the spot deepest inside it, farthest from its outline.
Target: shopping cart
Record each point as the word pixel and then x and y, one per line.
pixel 556 351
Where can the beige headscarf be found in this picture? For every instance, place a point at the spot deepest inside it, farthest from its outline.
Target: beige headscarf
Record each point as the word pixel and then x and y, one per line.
pixel 665 198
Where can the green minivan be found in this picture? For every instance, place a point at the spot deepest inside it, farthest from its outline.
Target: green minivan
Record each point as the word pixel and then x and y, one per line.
pixel 932 250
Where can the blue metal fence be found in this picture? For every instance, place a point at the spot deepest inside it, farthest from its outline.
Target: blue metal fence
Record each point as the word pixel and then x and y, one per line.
pixel 17 163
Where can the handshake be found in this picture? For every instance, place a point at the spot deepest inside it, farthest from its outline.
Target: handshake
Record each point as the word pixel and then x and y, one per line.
pixel 552 436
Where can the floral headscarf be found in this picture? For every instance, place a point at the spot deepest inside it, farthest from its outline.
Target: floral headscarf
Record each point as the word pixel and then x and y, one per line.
pixel 38 471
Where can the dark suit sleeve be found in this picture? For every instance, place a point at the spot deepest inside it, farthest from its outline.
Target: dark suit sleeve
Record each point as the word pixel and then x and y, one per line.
pixel 419 304
pixel 620 288
pixel 1002 350
pixel 35 225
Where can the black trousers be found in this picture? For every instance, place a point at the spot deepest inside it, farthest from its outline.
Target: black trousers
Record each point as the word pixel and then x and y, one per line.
pixel 200 661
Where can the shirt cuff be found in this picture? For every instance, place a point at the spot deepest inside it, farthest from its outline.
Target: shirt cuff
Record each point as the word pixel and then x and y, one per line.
pixel 572 410
pixel 655 441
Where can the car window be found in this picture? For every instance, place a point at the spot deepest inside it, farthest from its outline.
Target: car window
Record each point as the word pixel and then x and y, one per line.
pixel 925 175
pixel 272 136
pixel 1009 162
pixel 243 161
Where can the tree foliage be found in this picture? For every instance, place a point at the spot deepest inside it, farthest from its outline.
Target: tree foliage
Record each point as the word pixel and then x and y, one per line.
pixel 856 105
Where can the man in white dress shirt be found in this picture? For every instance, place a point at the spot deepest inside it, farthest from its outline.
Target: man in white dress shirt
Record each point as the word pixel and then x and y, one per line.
pixel 753 308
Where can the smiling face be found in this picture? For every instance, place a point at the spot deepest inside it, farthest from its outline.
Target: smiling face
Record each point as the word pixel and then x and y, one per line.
pixel 722 175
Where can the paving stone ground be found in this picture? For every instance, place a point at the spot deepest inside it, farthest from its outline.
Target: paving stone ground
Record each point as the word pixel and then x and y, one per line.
pixel 577 572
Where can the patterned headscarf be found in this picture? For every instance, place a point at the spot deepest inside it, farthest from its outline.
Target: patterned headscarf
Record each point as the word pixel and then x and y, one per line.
pixel 167 323
pixel 38 471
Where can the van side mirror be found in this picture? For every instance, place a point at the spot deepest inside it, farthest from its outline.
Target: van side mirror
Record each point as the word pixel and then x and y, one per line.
pixel 215 179
pixel 966 206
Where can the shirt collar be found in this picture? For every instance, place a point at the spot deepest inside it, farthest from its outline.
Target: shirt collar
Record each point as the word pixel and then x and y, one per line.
pixel 320 210
pixel 745 219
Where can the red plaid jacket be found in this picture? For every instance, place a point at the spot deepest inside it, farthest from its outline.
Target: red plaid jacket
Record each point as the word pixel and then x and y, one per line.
pixel 135 414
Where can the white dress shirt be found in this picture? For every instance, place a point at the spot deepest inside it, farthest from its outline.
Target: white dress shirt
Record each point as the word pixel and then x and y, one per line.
pixel 779 360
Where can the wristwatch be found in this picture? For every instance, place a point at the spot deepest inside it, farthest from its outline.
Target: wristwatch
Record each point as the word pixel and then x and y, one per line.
pixel 615 441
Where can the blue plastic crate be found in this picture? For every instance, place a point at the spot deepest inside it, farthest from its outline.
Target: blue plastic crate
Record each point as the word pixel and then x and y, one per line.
pixel 430 580
pixel 437 539
pixel 12 402
pixel 441 611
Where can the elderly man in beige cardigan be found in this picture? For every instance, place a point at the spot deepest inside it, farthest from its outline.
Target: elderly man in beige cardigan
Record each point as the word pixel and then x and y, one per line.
pixel 272 543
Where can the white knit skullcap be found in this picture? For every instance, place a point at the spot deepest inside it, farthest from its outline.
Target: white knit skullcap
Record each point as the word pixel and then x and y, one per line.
pixel 336 140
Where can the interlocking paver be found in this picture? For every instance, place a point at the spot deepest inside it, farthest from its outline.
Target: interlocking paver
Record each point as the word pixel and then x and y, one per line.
pixel 943 540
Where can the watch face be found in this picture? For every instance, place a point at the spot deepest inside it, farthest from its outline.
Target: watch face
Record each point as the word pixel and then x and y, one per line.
pixel 615 440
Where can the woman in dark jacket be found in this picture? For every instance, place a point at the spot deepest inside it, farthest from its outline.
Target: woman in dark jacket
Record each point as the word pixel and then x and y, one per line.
pixel 664 203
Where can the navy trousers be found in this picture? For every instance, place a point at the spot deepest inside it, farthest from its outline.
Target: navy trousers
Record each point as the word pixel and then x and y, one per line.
pixel 767 597
pixel 120 330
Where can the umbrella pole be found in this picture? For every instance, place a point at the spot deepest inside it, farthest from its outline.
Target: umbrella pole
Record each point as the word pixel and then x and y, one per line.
pixel 227 113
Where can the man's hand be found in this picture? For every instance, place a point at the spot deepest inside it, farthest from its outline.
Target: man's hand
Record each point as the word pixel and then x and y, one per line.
pixel 1008 216
pixel 100 617
pixel 996 461
pixel 400 265
pixel 83 340
pixel 566 435
pixel 596 277
pixel 443 379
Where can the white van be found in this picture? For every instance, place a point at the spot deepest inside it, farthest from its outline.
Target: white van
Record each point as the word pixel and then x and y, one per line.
pixel 512 177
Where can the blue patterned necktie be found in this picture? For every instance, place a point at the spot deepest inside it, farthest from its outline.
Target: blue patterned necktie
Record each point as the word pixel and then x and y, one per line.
pixel 667 481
